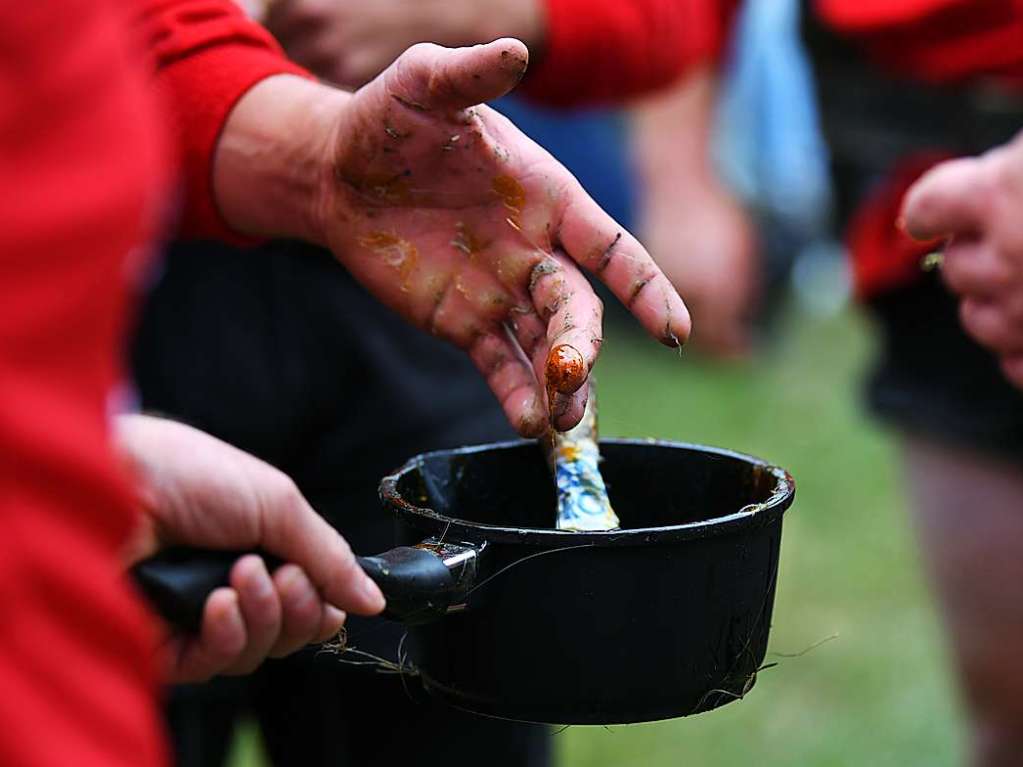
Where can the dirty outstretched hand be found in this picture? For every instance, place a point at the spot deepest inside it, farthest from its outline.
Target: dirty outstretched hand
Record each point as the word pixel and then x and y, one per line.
pixel 977 202
pixel 195 490
pixel 448 214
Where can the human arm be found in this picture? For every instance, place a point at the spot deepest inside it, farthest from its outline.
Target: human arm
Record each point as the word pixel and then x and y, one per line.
pixel 694 227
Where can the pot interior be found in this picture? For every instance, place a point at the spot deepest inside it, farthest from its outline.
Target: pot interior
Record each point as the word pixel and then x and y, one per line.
pixel 650 484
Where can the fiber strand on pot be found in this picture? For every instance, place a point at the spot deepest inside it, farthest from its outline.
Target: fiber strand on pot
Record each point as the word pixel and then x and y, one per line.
pixel 574 458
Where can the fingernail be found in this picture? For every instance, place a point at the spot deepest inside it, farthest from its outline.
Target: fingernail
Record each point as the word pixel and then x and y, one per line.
pixel 372 594
pixel 334 618
pixel 262 586
pixel 255 580
pixel 291 579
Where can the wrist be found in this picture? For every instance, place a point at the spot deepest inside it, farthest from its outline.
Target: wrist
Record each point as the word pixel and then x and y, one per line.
pixel 273 163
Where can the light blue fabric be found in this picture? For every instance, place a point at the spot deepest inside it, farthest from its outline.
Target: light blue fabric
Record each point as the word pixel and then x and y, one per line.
pixel 770 147
pixel 590 143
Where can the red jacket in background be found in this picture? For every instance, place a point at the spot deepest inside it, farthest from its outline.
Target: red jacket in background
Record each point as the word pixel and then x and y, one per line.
pixel 81 170
pixel 606 51
pixel 938 41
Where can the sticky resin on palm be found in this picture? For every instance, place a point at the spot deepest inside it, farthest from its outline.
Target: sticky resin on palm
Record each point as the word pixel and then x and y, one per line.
pixel 574 457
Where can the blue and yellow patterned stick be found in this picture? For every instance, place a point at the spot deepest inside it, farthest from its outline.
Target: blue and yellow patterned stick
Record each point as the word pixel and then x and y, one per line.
pixel 574 457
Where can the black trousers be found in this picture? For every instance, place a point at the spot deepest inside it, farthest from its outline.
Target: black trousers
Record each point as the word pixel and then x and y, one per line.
pixel 279 352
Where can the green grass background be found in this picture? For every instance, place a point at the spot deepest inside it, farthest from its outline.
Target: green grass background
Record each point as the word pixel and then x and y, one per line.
pixel 876 694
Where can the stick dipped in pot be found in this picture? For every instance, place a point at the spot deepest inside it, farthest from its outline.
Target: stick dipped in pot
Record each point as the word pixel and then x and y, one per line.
pixel 574 458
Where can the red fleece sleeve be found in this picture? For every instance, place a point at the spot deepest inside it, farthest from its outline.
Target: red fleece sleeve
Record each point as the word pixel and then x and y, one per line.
pixel 208 54
pixel 607 51
pixel 941 41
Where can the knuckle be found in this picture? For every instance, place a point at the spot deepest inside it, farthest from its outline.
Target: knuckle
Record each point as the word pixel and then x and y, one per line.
pixel 346 565
pixel 421 50
pixel 541 269
pixel 532 423
pixel 304 620
pixel 282 510
pixel 998 177
pixel 283 494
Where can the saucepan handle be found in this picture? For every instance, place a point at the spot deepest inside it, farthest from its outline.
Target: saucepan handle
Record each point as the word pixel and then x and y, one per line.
pixel 421 583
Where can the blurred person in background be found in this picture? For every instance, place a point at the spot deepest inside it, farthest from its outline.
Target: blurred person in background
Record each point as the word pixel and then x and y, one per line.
pixel 265 151
pixel 693 225
pixel 900 85
pixel 223 344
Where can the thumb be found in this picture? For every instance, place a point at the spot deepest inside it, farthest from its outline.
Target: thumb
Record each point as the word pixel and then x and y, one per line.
pixel 947 200
pixel 429 76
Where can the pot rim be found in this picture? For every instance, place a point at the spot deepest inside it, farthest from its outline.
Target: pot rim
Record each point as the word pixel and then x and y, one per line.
pixel 749 516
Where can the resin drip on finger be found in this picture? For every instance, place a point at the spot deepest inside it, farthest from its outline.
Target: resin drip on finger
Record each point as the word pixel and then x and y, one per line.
pixel 574 458
pixel 566 369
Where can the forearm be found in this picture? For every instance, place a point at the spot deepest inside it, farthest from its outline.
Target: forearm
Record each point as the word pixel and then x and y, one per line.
pixel 273 158
pixel 671 135
pixel 207 57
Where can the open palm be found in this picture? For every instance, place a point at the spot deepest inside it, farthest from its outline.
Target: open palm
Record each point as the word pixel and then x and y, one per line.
pixel 454 218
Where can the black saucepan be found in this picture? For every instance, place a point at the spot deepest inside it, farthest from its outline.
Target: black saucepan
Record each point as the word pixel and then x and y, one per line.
pixel 507 617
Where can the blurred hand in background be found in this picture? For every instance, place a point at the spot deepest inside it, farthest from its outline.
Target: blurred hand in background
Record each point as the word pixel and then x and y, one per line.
pixel 695 228
pixel 349 42
pixel 978 203
pixel 195 490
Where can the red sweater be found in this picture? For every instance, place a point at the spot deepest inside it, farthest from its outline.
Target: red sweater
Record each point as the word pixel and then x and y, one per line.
pixel 84 175
pixel 606 51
